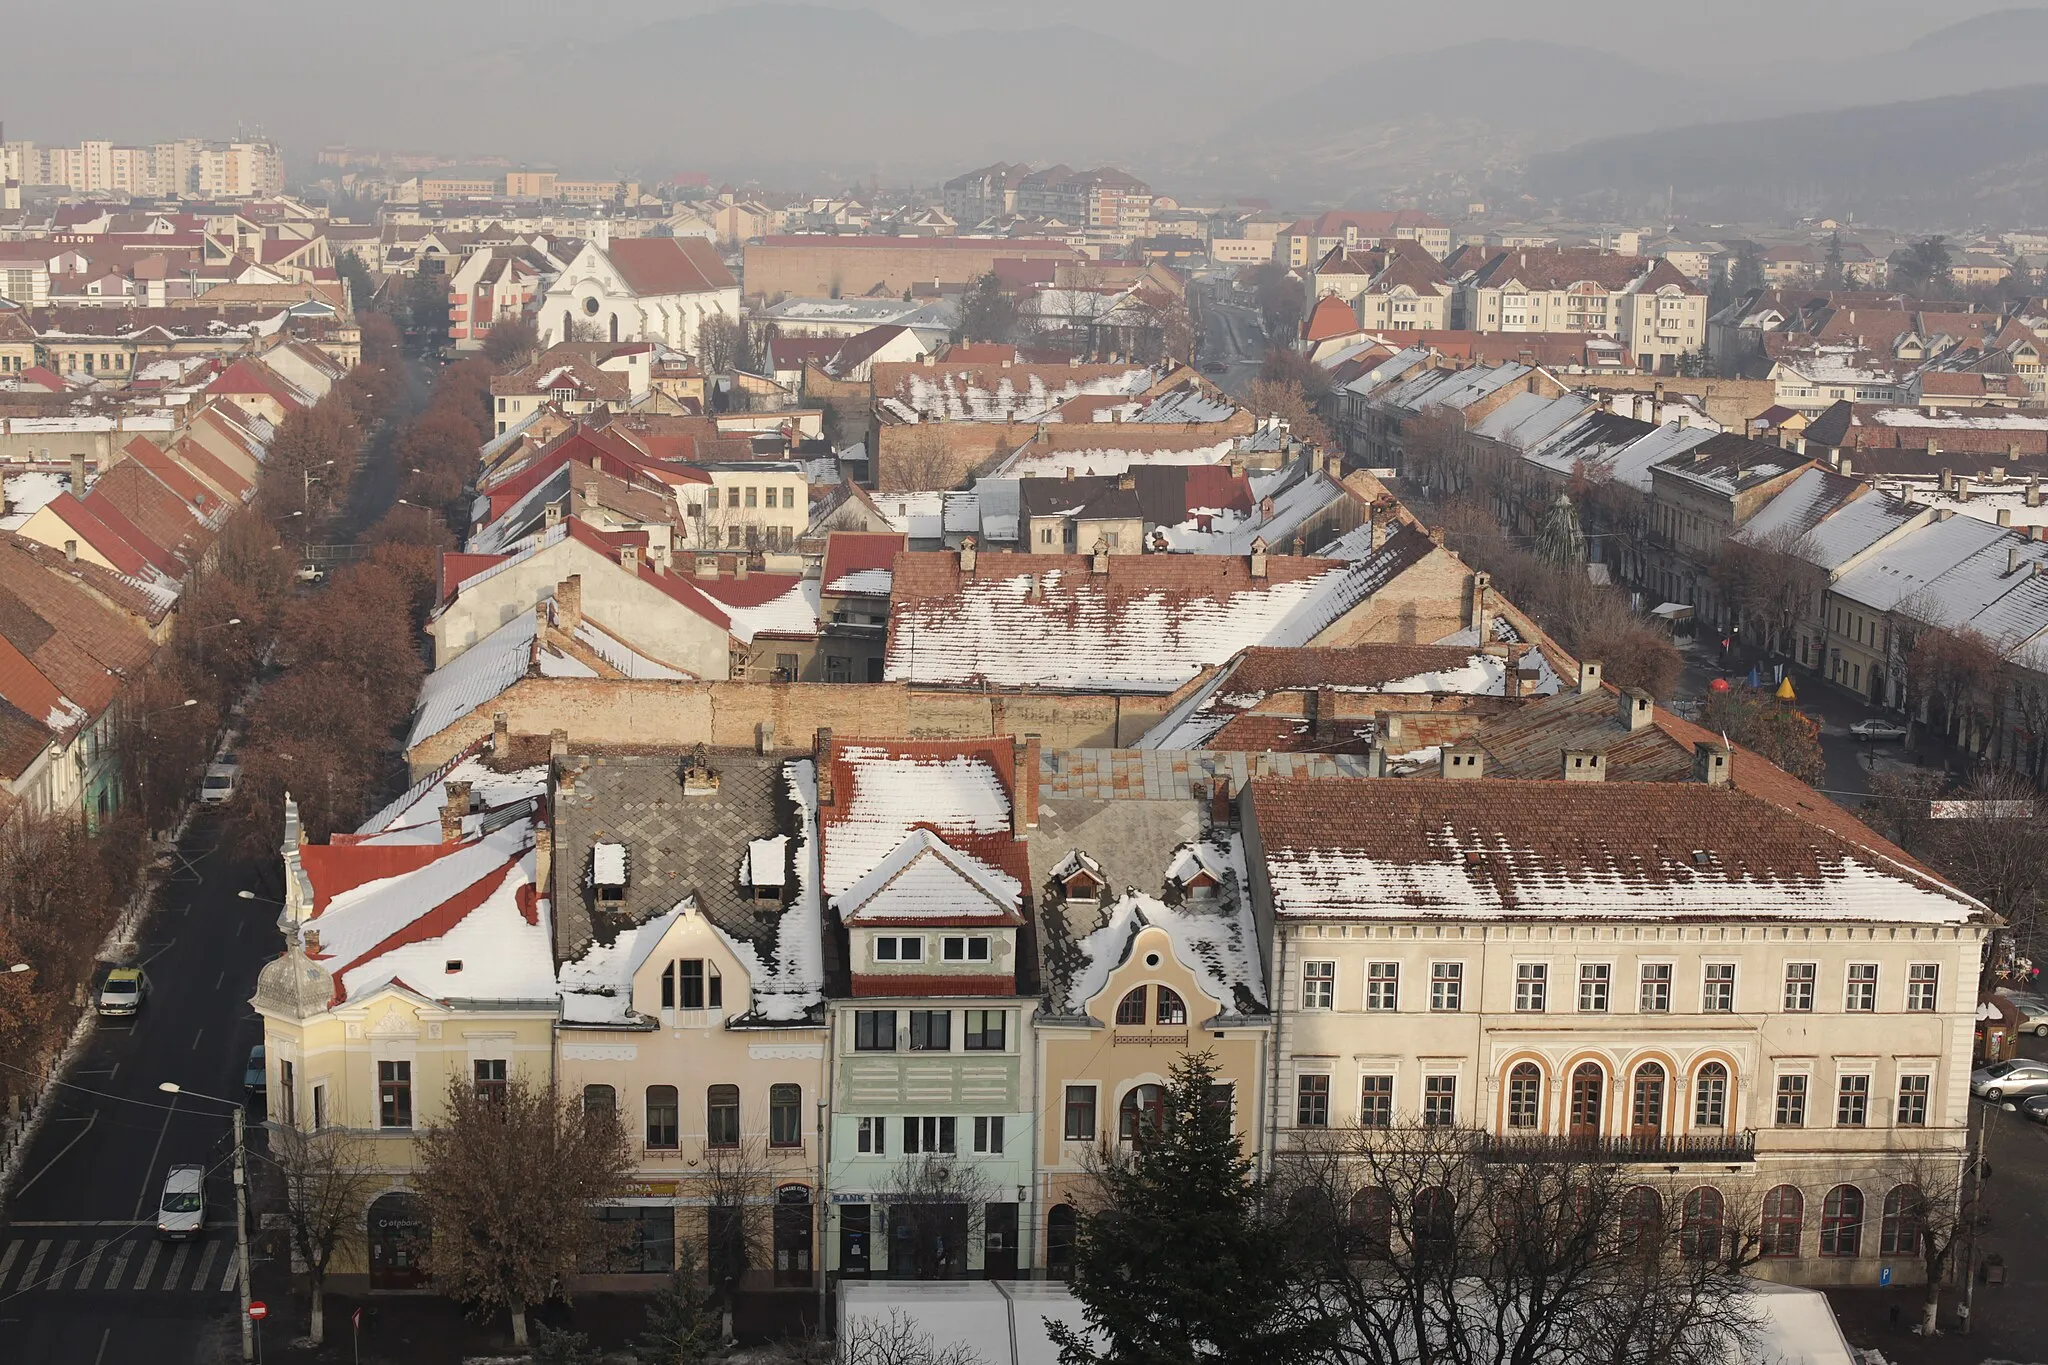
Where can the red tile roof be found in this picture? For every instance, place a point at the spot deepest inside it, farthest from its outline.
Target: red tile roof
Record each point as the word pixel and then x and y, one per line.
pixel 853 551
pixel 1331 317
pixel 145 514
pixel 246 377
pixel 103 538
pixel 669 265
pixel 25 688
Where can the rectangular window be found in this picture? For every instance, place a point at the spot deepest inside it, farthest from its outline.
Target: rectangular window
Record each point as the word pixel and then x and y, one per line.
pixel 319 1107
pixel 394 1094
pixel 1791 1109
pixel 1654 994
pixel 957 949
pixel 722 1116
pixel 1382 985
pixel 711 498
pixel 986 1031
pixel 1312 1102
pixel 1852 1102
pixel 1446 986
pixel 287 1098
pixel 988 1135
pixel 697 987
pixel 750 496
pixel 785 1116
pixel 1861 995
pixel 1799 986
pixel 909 948
pixel 490 1080
pixel 1080 1123
pixel 929 1135
pixel 1913 1101
pixel 874 1030
pixel 931 1030
pixel 599 1099
pixel 664 1117
pixel 1593 982
pixel 1922 979
pixel 1439 1101
pixel 1717 988
pixel 1318 985
pixel 1376 1102
pixel 873 1137
pixel 1530 980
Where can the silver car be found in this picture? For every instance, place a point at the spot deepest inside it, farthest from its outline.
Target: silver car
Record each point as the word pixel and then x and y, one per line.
pixel 2015 1079
pixel 2033 1016
pixel 181 1214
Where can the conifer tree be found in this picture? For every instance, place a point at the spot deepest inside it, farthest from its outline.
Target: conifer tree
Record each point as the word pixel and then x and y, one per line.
pixel 682 1320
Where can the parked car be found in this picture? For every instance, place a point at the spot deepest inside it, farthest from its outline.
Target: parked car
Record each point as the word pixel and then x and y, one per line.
pixel 1878 729
pixel 123 992
pixel 2013 1079
pixel 254 1076
pixel 181 1213
pixel 311 573
pixel 1215 367
pixel 2035 1108
pixel 217 788
pixel 2033 1017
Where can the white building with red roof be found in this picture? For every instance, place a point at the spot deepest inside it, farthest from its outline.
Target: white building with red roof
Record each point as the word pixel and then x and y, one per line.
pixel 639 289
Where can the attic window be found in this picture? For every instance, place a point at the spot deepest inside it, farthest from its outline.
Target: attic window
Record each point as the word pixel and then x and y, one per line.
pixel 454 964
pixel 1083 886
pixel 1702 858
pixel 767 868
pixel 608 871
pixel 562 395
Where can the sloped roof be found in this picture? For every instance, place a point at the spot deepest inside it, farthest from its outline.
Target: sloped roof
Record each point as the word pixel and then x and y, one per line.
pixel 669 265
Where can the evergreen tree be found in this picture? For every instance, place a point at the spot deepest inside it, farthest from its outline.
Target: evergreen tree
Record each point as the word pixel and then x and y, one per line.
pixel 561 1348
pixel 682 1321
pixel 1832 276
pixel 1178 1261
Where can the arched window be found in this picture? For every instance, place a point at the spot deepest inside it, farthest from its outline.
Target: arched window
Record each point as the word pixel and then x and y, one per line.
pixel 600 1099
pixel 1525 1095
pixel 1369 1232
pixel 1642 1220
pixel 722 1116
pixel 1904 1210
pixel 1710 1098
pixel 1435 1233
pixel 1142 1113
pixel 1588 1084
pixel 1784 1221
pixel 1060 1224
pixel 1171 1008
pixel 1131 1009
pixel 615 327
pixel 1646 1103
pixel 1841 1222
pixel 1700 1227
pixel 568 326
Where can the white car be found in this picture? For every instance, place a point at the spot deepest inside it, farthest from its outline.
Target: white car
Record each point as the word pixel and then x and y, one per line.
pixel 217 788
pixel 181 1213
pixel 1878 729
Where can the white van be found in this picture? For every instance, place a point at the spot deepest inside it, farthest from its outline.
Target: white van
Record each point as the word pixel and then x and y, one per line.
pixel 217 788
pixel 181 1213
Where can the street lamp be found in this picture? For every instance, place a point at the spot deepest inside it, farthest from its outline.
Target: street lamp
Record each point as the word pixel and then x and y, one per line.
pixel 241 1205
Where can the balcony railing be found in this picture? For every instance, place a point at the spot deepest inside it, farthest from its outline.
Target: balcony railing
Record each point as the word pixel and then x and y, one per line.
pixel 1664 1147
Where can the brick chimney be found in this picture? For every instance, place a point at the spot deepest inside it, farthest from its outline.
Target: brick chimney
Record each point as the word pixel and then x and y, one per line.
pixel 501 734
pixel 1589 677
pixel 569 603
pixel 1582 765
pixel 1482 583
pixel 451 820
pixel 1024 800
pixel 1258 557
pixel 1098 562
pixel 1638 708
pixel 1323 714
pixel 967 556
pixel 543 857
pixel 77 474
pixel 558 745
pixel 824 748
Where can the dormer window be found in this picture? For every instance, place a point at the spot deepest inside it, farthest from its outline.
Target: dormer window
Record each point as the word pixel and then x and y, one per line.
pixel 562 395
pixel 899 948
pixel 962 948
pixel 766 869
pixel 691 984
pixel 1203 886
pixel 608 872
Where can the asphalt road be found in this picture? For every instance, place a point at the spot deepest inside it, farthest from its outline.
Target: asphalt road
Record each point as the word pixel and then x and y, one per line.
pixel 82 1276
pixel 1234 335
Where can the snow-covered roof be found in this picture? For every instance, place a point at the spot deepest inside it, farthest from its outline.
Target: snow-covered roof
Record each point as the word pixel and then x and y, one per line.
pixel 486 669
pixel 1034 461
pixel 1910 563
pixel 950 793
pixel 924 878
pixel 415 815
pixel 1219 944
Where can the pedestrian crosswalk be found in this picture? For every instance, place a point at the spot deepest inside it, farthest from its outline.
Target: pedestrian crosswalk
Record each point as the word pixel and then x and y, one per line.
pixel 100 1258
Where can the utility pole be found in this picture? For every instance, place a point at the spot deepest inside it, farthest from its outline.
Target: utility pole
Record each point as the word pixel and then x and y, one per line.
pixel 242 1235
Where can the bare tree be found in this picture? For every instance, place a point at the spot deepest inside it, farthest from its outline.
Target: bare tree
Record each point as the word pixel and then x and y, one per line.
pixel 941 1206
pixel 328 1178
pixel 724 344
pixel 511 1182
pixel 1956 675
pixel 897 1340
pixel 919 458
pixel 1443 1247
pixel 1930 1210
pixel 740 1186
pixel 1285 400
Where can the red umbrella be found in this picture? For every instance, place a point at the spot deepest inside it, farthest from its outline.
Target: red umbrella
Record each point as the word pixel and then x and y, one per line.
pixel 1718 685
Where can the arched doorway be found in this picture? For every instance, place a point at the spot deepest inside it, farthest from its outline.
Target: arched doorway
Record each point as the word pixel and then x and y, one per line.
pixel 1588 1085
pixel 1060 1225
pixel 793 1235
pixel 398 1242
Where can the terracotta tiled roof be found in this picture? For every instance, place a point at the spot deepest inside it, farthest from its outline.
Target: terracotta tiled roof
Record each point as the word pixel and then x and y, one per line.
pixel 1331 317
pixel 1275 670
pixel 669 265
pixel 146 515
pixel 848 552
pixel 103 538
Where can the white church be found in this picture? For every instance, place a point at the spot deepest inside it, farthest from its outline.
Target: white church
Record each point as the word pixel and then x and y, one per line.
pixel 639 289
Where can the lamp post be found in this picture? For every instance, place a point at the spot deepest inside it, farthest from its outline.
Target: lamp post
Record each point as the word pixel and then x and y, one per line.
pixel 241 1206
pixel 201 632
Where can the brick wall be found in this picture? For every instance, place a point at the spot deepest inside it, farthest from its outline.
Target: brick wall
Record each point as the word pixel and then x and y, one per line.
pixel 905 456
pixel 622 714
pixel 846 267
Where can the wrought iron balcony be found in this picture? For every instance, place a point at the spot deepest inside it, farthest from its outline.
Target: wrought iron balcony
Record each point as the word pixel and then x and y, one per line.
pixel 1668 1148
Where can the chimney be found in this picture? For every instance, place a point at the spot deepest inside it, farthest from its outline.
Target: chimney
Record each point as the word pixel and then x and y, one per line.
pixel 1098 560
pixel 1998 473
pixel 1582 765
pixel 2036 532
pixel 629 558
pixel 1222 808
pixel 1024 801
pixel 1376 760
pixel 558 745
pixel 2034 490
pixel 543 857
pixel 706 566
pixel 71 552
pixel 967 557
pixel 1127 481
pixel 569 602
pixel 824 747
pixel 2005 516
pixel 1638 709
pixel 1323 714
pixel 1258 558
pixel 451 821
pixel 1589 677
pixel 1710 763
pixel 1944 513
pixel 740 564
pixel 1482 585
pixel 1657 402
pixel 552 514
pixel 1462 761
pixel 501 735
pixel 657 554
pixel 2012 557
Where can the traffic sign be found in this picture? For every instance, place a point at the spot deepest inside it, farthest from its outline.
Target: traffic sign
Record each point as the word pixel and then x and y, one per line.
pixel 258 1311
